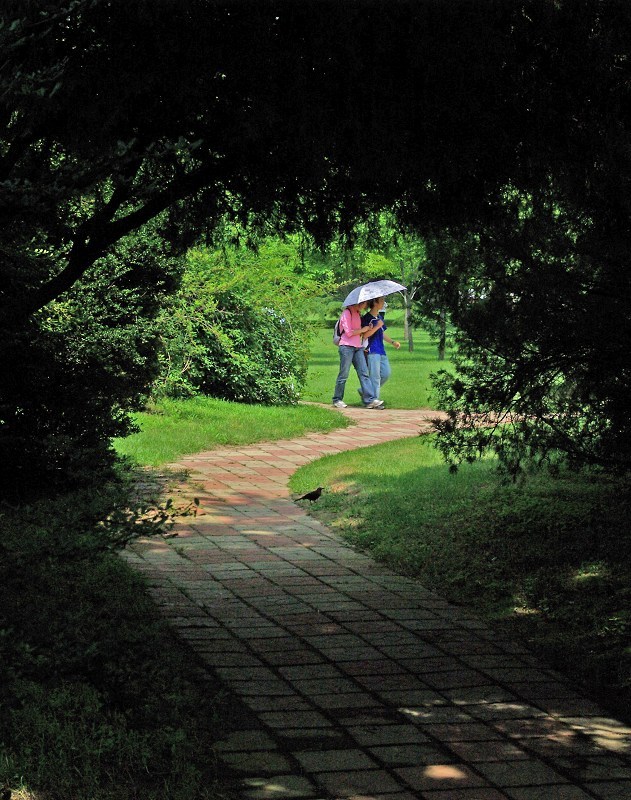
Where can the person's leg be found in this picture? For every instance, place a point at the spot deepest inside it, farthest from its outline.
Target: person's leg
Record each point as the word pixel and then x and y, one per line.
pixel 359 362
pixel 384 370
pixel 346 359
pixel 360 391
pixel 374 370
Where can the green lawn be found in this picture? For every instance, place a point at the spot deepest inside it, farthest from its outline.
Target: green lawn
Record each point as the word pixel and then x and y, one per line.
pixel 173 428
pixel 548 559
pixel 409 385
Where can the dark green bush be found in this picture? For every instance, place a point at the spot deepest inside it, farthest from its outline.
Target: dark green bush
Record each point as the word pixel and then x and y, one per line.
pixel 76 369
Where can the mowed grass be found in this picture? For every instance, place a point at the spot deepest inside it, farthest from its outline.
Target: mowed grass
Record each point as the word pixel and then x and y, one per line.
pixel 173 428
pixel 547 560
pixel 410 383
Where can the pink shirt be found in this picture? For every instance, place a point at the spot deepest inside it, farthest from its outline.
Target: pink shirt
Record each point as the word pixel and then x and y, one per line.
pixel 351 321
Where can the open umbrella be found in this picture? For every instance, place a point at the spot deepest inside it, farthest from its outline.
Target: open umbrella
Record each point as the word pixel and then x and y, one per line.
pixel 373 289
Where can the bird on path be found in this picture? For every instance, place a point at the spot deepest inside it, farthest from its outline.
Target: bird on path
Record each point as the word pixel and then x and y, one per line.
pixel 312 496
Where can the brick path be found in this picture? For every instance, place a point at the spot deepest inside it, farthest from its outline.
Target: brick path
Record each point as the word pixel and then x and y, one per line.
pixel 360 683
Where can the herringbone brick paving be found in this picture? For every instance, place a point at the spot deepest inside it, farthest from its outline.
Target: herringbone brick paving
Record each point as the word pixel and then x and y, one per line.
pixel 361 683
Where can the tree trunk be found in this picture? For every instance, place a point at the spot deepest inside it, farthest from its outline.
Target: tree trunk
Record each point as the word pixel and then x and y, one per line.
pixel 442 335
pixel 407 326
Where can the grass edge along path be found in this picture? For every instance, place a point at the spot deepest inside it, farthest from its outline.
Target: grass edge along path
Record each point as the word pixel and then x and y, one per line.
pixel 171 429
pixel 547 559
pixel 296 606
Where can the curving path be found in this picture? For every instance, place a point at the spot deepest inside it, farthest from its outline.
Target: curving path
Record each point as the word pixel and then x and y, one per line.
pixel 360 683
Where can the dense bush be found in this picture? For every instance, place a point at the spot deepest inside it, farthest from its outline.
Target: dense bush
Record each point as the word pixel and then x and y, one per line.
pixel 76 368
pixel 543 339
pixel 237 329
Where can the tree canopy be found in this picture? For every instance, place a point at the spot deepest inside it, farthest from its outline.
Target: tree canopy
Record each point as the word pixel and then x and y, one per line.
pixel 314 112
pixel 502 124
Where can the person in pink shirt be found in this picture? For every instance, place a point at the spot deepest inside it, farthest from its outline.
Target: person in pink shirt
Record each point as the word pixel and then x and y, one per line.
pixel 352 352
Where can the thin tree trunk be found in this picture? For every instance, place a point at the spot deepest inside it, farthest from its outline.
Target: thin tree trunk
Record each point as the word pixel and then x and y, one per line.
pixel 442 336
pixel 407 326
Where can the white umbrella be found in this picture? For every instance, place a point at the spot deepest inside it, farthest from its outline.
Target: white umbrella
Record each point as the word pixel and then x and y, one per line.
pixel 373 289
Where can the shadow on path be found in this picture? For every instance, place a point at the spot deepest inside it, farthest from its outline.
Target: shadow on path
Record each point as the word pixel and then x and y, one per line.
pixel 360 682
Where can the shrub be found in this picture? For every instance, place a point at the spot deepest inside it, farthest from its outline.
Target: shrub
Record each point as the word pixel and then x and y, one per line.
pixel 237 329
pixel 98 699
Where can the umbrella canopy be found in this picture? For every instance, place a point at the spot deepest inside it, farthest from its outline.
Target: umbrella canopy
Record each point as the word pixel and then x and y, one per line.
pixel 373 289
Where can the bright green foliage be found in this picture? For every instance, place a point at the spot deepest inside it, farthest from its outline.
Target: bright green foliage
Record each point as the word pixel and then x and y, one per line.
pixel 287 112
pixel 237 328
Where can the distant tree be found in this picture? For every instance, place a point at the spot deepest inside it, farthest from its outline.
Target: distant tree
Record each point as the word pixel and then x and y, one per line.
pixel 405 252
pixel 446 278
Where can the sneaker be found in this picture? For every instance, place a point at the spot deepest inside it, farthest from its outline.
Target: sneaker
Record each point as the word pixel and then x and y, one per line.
pixel 339 404
pixel 375 404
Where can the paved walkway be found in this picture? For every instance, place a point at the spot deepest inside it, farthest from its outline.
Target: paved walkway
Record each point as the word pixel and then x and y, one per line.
pixel 360 683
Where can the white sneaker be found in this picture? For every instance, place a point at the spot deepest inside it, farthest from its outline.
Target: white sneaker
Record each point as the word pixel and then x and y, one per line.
pixel 375 404
pixel 339 404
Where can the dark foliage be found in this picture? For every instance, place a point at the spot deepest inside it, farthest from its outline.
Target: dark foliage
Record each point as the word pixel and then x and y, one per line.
pixel 97 699
pixel 318 113
pixel 77 367
pixel 544 336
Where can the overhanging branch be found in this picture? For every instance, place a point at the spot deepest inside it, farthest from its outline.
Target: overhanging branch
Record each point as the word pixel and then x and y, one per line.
pixel 97 235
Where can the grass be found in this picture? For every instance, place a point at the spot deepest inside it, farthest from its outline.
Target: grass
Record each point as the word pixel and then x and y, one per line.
pixel 173 428
pixel 409 385
pixel 548 560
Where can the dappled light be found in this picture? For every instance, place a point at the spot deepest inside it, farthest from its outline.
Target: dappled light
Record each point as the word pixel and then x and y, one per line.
pixel 591 572
pixel 263 788
pixel 445 772
pixel 525 611
pixel 25 793
pixel 547 556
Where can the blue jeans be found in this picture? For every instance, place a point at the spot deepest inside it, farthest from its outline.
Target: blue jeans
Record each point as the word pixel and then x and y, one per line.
pixel 379 370
pixel 356 357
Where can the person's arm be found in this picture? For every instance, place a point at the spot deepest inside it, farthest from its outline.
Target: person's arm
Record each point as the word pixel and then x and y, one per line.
pixel 368 330
pixel 396 345
pixel 362 331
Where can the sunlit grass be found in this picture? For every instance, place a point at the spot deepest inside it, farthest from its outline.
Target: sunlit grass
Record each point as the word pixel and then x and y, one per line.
pixel 173 428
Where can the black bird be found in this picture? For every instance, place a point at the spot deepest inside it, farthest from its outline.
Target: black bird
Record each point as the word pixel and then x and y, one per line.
pixel 312 496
